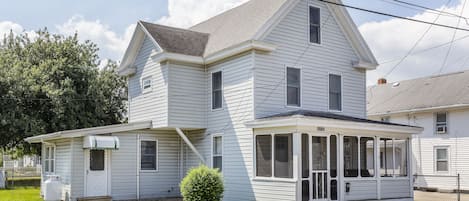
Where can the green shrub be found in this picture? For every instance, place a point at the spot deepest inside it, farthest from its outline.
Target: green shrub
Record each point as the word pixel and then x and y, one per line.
pixel 202 184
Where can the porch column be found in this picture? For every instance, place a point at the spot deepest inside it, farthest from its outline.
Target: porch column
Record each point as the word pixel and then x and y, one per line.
pixel 296 163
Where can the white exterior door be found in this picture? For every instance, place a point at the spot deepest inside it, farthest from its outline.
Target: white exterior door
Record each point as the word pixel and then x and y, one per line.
pixel 96 172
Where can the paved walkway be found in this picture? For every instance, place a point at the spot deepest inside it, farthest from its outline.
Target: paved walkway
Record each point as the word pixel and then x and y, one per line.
pixel 432 196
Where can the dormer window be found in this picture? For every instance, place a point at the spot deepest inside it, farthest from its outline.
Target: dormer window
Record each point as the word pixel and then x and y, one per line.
pixel 314 25
pixel 146 84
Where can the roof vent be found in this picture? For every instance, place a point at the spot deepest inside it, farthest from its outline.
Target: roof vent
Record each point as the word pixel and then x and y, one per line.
pixel 396 84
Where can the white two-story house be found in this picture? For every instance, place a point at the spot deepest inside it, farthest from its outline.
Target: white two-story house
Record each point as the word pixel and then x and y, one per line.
pixel 272 93
pixel 440 104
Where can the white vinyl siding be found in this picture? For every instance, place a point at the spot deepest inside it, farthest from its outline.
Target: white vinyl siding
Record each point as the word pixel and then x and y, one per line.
pixel 151 104
pixel 335 54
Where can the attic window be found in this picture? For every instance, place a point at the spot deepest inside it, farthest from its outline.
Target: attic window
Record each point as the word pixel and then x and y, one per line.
pixel 146 84
pixel 314 25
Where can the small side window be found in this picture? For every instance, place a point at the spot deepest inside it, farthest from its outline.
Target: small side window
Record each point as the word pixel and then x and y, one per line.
pixel 335 92
pixel 217 154
pixel 146 85
pixel 293 87
pixel 49 160
pixel 441 123
pixel 217 90
pixel 148 155
pixel 441 159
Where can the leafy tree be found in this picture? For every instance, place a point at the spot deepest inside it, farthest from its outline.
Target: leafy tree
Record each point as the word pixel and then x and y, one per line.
pixel 51 83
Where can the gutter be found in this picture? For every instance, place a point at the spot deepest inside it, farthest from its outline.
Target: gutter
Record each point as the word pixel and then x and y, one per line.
pixel 428 109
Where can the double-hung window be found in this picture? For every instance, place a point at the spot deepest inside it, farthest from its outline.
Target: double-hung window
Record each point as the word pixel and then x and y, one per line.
pixel 217 90
pixel 293 87
pixel 441 159
pixel 335 92
pixel 274 156
pixel 314 25
pixel 49 160
pixel 441 124
pixel 217 153
pixel 149 155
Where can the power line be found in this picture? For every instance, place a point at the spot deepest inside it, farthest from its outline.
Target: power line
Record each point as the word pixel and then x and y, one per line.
pixel 431 9
pixel 436 12
pixel 415 44
pixel 452 40
pixel 395 16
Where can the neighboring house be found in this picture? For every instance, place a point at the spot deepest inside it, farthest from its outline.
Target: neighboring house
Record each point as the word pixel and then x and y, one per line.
pixel 272 93
pixel 439 104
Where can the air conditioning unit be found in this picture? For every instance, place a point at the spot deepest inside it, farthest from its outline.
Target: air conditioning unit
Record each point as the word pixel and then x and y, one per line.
pixel 441 129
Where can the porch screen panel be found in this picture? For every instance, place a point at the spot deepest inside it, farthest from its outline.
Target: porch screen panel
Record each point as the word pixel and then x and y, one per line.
pixel 367 155
pixel 400 154
pixel 350 156
pixel 264 155
pixel 305 156
pixel 385 157
pixel 283 150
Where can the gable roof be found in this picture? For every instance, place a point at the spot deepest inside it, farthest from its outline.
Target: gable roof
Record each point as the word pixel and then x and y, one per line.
pixel 250 21
pixel 239 24
pixel 175 40
pixel 427 93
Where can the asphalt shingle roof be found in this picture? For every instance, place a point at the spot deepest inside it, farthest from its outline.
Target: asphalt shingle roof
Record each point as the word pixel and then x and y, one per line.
pixel 422 93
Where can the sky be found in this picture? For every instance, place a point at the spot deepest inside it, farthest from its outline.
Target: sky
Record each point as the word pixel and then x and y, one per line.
pixel 110 24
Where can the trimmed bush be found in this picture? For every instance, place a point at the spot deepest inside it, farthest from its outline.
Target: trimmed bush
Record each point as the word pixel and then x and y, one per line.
pixel 202 184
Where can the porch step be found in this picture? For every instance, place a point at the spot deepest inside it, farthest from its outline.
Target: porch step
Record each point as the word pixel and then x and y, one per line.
pixel 97 198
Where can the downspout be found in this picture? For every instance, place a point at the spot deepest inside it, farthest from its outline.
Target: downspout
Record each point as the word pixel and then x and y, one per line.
pixel 188 142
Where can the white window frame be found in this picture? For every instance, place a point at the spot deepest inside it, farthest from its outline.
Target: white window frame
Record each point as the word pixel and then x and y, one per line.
pixel 435 159
pixel 150 89
pixel 222 151
pixel 151 139
pixel 341 92
pixel 222 90
pixel 272 146
pixel 436 123
pixel 309 24
pixel 286 86
pixel 50 147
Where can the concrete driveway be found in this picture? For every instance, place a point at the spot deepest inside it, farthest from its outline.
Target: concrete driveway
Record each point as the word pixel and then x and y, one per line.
pixel 433 196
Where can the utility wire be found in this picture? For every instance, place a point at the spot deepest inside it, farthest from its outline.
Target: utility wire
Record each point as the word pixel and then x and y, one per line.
pixel 395 16
pixel 431 9
pixel 452 40
pixel 415 44
pixel 436 12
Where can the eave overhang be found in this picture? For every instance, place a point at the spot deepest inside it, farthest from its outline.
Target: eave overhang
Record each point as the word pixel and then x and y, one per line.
pixel 301 121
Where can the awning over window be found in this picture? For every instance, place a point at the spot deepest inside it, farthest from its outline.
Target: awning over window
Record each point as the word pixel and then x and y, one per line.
pixel 101 142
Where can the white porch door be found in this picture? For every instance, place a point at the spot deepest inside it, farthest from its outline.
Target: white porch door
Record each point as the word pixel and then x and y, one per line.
pixel 96 172
pixel 319 168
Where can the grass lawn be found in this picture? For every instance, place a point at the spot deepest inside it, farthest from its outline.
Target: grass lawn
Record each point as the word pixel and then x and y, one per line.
pixel 20 194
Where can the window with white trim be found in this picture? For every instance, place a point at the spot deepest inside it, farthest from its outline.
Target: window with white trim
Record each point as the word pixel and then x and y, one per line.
pixel 149 155
pixel 147 84
pixel 441 159
pixel 335 92
pixel 217 152
pixel 278 147
pixel 217 90
pixel 441 124
pixel 49 160
pixel 314 25
pixel 293 87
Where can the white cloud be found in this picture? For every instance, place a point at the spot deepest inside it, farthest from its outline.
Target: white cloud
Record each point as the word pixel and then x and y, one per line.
pixel 393 38
pixel 112 45
pixel 185 13
pixel 7 26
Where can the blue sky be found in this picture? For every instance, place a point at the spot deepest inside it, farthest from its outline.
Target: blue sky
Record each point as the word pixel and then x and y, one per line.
pixel 110 25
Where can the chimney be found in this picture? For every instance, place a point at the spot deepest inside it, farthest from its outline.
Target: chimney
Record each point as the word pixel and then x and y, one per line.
pixel 382 81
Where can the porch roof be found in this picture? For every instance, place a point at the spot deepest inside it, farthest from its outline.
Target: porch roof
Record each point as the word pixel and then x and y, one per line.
pixel 90 131
pixel 330 120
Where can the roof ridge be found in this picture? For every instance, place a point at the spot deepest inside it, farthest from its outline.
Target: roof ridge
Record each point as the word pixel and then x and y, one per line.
pixel 423 78
pixel 171 27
